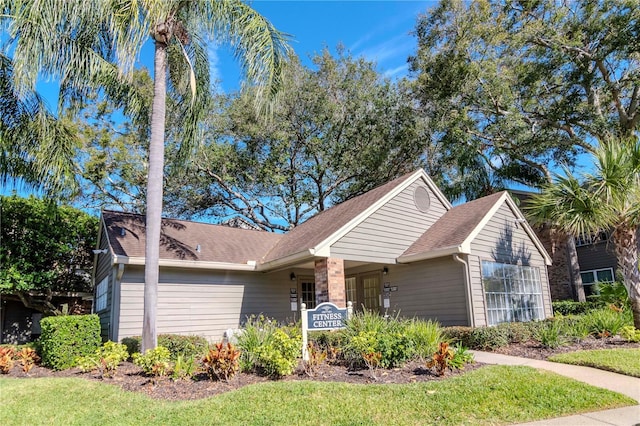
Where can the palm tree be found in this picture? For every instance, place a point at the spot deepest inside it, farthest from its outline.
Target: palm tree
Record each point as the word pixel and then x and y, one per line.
pixel 608 199
pixel 77 41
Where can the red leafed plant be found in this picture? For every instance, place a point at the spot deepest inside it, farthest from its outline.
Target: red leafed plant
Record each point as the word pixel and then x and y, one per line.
pixel 222 362
pixel 442 358
pixel 28 358
pixel 6 359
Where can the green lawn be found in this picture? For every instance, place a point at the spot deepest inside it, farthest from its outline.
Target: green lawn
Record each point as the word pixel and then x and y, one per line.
pixel 624 361
pixel 489 395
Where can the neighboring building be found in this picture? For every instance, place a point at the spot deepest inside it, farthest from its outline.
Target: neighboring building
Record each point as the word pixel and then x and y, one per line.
pixel 594 260
pixel 400 247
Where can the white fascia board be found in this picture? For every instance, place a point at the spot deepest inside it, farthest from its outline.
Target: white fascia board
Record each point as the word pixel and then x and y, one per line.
pixel 301 256
pixel 433 254
pixel 323 247
pixel 192 264
pixel 506 198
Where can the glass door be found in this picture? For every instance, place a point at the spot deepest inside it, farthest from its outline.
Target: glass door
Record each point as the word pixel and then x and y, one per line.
pixel 308 291
pixel 371 291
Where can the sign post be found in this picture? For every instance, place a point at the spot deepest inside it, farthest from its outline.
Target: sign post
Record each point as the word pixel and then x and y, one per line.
pixel 326 316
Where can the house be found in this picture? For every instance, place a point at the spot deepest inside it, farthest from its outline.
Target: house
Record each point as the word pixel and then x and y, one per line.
pixel 401 247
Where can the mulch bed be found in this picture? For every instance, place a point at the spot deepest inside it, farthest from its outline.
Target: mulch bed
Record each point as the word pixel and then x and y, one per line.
pixel 129 377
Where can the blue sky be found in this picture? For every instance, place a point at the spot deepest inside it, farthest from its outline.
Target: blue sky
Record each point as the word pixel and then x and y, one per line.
pixel 378 30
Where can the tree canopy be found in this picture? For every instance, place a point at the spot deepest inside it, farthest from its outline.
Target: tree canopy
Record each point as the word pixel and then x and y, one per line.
pixel 518 87
pixel 338 130
pixel 46 248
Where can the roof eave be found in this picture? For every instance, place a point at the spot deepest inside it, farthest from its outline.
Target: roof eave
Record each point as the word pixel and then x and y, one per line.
pixel 193 264
pixel 434 254
pixel 292 259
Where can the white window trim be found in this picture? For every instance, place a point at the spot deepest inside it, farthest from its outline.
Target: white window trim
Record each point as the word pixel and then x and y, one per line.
pixel 505 298
pixel 594 272
pixel 101 295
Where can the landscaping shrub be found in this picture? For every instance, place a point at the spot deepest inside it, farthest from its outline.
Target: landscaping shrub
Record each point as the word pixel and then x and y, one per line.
pixel 441 358
pixel 256 332
pixel 368 333
pixel 329 342
pixel 461 357
pixel 614 293
pixel 221 362
pixel 189 346
pixel 630 333
pixel 6 359
pixel 28 358
pixel 550 335
pixel 278 356
pixel 605 322
pixel 519 332
pixel 489 338
pixel 155 362
pixel 317 355
pixel 183 368
pixel 66 338
pixel 570 307
pixel 424 335
pixel 458 334
pixel 105 359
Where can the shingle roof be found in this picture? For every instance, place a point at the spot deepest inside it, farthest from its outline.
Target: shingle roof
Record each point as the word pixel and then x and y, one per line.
pixel 321 226
pixel 180 238
pixel 453 228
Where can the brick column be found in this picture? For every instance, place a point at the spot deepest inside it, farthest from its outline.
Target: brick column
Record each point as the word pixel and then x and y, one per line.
pixel 329 274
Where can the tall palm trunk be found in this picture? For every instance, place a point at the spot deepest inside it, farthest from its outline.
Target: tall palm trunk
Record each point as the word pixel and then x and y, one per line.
pixel 154 198
pixel 625 238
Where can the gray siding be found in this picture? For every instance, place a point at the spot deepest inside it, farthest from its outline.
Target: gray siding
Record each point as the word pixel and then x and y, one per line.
pixel 432 289
pixel 597 256
pixel 103 269
pixel 204 303
pixel 389 231
pixel 502 240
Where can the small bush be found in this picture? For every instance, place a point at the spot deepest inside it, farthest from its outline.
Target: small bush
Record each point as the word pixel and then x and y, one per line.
pixel 257 332
pixel 7 354
pixel 316 358
pixel 614 293
pixel 155 362
pixel 66 338
pixel 604 322
pixel 489 338
pixel 328 342
pixel 573 326
pixel 222 362
pixel 458 334
pixel 279 355
pixel 28 358
pixel 189 346
pixel 570 307
pixel 183 368
pixel 550 335
pixel 424 335
pixel 519 332
pixel 630 333
pixel 105 359
pixel 441 359
pixel 461 357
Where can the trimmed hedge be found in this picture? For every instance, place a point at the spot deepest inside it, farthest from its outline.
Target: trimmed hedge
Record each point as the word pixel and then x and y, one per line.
pixel 177 344
pixel 66 338
pixel 570 307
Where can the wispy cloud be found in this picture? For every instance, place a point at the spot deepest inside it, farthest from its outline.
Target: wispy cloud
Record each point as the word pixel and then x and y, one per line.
pixel 401 45
pixel 401 70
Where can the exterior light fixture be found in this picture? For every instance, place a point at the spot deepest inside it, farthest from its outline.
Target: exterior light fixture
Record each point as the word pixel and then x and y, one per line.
pixel 292 276
pixel 385 270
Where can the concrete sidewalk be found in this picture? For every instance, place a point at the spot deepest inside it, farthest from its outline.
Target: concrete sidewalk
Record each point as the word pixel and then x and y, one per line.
pixel 626 385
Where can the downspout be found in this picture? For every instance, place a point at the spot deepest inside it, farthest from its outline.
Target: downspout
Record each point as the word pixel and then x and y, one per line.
pixel 467 287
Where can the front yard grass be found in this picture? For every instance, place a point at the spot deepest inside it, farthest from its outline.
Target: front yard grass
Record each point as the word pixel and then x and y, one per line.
pixel 489 395
pixel 623 361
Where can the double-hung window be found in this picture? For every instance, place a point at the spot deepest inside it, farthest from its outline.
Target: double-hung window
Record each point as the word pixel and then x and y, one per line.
pixel 101 295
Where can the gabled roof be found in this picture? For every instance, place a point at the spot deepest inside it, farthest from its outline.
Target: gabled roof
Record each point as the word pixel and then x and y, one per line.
pixel 456 229
pixel 180 240
pixel 319 232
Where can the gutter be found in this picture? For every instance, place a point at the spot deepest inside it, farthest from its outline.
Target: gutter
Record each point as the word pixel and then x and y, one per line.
pixel 286 261
pixel 140 261
pixel 433 254
pixel 467 288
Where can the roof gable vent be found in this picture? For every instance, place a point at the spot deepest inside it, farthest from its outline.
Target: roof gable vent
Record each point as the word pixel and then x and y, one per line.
pixel 421 198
